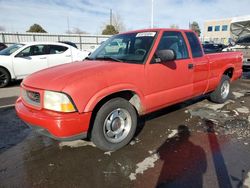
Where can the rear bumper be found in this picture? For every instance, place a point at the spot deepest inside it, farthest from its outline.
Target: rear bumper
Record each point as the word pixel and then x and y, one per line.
pixel 60 126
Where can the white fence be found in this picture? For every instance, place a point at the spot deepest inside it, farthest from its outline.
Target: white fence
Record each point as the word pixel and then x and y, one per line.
pixel 83 42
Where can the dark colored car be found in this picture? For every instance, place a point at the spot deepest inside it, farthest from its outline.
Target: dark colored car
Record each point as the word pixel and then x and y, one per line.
pixel 2 46
pixel 69 43
pixel 213 48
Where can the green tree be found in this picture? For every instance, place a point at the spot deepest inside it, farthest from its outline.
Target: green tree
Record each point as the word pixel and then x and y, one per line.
pixel 109 30
pixel 36 28
pixel 174 26
pixel 195 27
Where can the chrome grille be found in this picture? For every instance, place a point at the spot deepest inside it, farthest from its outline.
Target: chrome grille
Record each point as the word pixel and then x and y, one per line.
pixel 31 97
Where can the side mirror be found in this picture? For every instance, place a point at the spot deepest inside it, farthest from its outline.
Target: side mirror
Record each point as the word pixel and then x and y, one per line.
pixel 20 55
pixel 165 55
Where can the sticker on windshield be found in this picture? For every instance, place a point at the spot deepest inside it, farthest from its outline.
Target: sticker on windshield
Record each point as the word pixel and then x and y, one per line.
pixel 146 34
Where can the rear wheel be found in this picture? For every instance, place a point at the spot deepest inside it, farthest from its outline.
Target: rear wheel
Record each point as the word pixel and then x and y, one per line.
pixel 114 125
pixel 4 77
pixel 221 94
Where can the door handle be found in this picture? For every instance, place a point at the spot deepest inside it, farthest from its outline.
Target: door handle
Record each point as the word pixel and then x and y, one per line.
pixel 190 66
pixel 43 57
pixel 68 56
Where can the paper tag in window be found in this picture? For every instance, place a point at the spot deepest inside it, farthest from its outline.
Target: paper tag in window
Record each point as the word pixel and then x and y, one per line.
pixel 146 34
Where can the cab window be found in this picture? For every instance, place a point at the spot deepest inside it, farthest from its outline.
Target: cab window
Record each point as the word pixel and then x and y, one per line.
pixel 56 49
pixel 33 51
pixel 194 44
pixel 174 40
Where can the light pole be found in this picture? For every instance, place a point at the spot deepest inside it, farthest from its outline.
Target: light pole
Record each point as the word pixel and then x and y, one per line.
pixel 152 13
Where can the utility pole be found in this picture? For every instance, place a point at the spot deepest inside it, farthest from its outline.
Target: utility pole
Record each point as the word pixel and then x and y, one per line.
pixel 110 17
pixel 152 13
pixel 68 23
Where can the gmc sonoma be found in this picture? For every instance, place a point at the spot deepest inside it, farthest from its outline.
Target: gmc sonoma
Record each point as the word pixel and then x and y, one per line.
pixel 103 96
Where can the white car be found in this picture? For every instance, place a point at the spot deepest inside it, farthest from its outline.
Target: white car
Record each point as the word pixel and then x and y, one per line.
pixel 20 60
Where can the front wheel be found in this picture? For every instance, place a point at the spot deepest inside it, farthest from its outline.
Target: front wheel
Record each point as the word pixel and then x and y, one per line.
pixel 115 124
pixel 221 94
pixel 4 77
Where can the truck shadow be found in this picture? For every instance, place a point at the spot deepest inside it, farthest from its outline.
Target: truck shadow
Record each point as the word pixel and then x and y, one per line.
pixel 143 119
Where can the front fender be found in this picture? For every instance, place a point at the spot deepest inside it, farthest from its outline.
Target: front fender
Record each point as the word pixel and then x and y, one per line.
pixel 109 91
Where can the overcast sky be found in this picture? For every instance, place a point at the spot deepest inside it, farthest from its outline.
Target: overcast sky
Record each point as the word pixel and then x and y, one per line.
pixel 91 15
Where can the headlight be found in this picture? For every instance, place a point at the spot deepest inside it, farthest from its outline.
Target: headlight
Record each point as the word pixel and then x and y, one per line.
pixel 58 102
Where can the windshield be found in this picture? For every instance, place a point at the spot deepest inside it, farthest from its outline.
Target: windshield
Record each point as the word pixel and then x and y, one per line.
pixel 11 49
pixel 130 47
pixel 244 40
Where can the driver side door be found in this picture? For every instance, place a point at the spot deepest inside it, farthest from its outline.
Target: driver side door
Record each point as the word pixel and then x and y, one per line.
pixel 29 60
pixel 171 81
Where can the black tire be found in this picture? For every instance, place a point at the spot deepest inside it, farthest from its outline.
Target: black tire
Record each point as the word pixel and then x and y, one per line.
pixel 218 96
pixel 4 77
pixel 122 117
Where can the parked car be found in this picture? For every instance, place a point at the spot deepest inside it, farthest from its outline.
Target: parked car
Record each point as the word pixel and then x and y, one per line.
pixel 2 46
pixel 69 43
pixel 104 96
pixel 20 60
pixel 213 47
pixel 242 45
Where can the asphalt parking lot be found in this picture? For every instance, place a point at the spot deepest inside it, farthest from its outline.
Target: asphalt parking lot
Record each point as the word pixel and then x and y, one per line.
pixel 193 144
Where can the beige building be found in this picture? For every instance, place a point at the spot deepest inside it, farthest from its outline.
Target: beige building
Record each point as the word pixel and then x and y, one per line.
pixel 217 31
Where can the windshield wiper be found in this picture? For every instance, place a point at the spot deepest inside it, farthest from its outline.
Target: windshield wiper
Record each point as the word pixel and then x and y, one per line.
pixel 109 58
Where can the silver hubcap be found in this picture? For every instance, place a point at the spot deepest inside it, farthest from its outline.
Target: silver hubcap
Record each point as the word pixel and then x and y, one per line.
pixel 225 89
pixel 117 125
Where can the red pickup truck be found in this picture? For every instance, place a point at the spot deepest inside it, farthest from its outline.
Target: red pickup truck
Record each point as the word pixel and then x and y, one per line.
pixel 103 96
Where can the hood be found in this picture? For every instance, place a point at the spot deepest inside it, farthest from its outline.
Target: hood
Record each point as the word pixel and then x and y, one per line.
pixel 58 77
pixel 4 58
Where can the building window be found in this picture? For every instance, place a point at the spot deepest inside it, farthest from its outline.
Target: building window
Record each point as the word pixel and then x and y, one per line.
pixel 210 28
pixel 224 28
pixel 217 28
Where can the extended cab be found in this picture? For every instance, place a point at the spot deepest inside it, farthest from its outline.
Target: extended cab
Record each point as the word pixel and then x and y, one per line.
pixel 103 97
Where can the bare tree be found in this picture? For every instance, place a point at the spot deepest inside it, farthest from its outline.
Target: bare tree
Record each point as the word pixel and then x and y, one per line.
pixel 174 26
pixel 117 22
pixel 76 30
pixel 2 28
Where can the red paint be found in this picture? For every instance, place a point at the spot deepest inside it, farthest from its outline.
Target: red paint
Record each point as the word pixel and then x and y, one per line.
pixel 58 124
pixel 157 85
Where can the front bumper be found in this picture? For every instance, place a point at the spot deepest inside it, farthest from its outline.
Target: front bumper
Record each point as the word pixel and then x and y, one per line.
pixel 60 126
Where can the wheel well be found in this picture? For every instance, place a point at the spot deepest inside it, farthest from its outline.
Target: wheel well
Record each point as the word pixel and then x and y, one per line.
pixel 131 96
pixel 229 72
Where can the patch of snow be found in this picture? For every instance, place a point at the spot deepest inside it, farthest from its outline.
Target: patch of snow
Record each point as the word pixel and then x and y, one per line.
pixel 173 133
pixel 134 141
pixel 238 94
pixel 151 151
pixel 108 153
pixel 76 144
pixel 147 163
pixel 249 119
pixel 218 106
pixel 51 164
pixel 245 143
pixel 236 113
pixel 247 180
pixel 243 110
